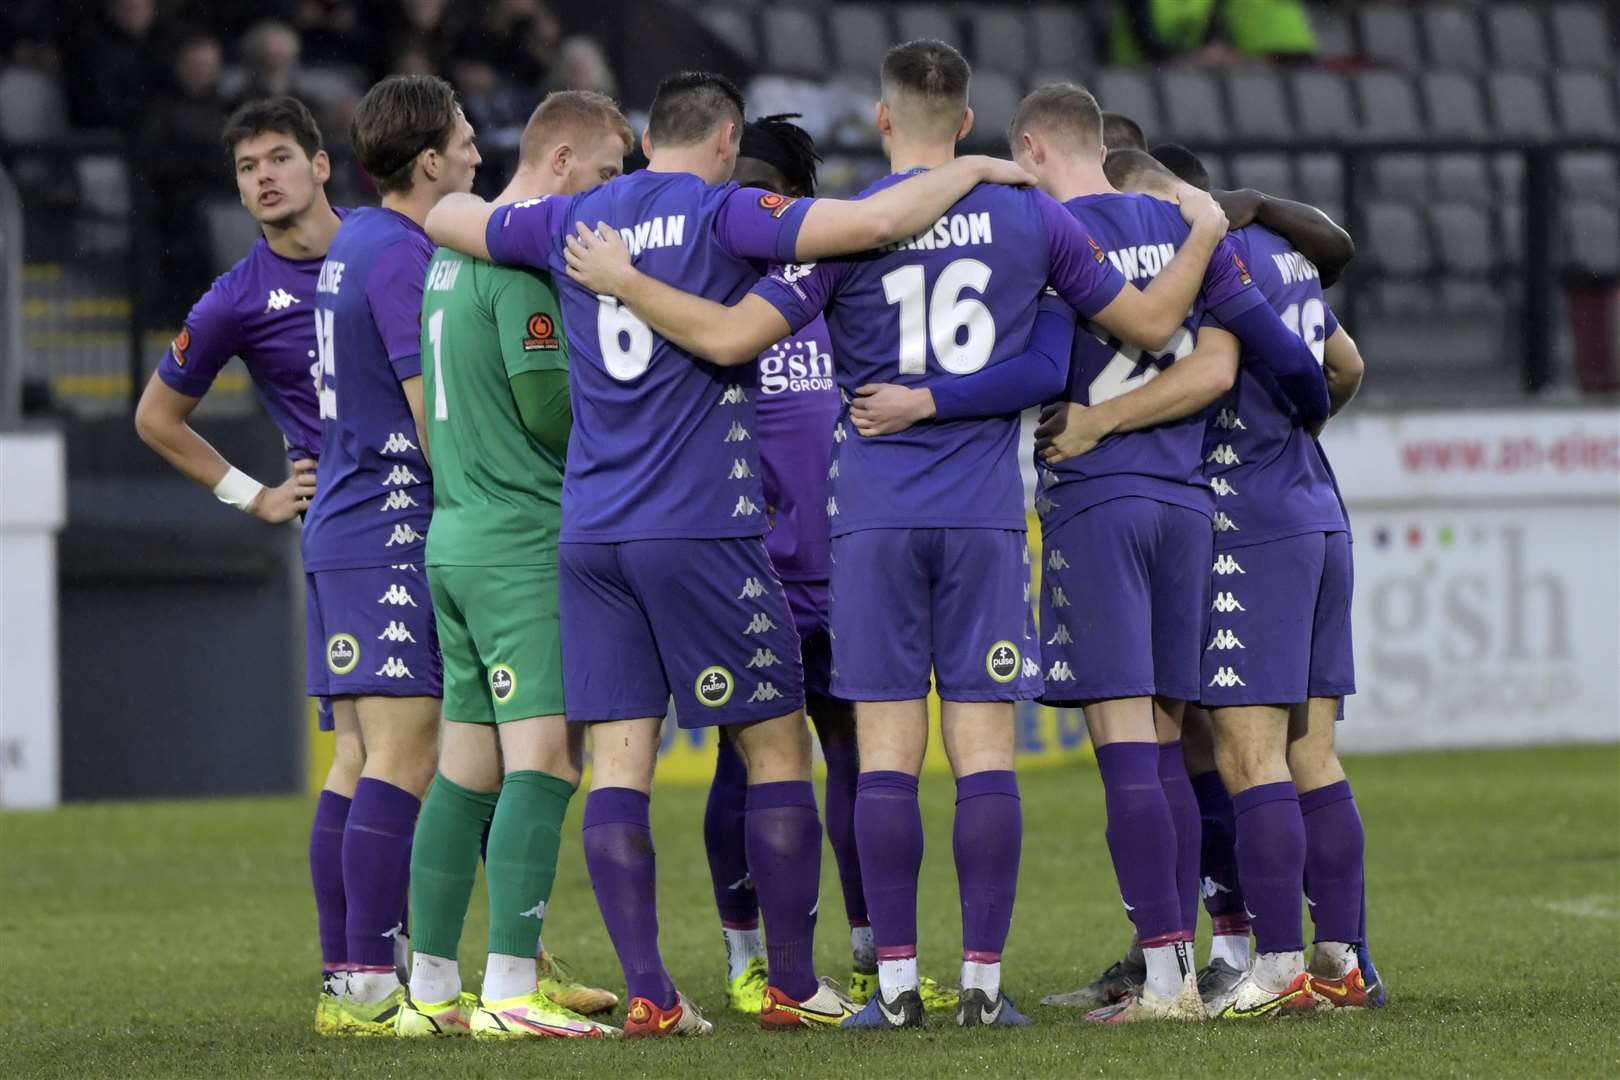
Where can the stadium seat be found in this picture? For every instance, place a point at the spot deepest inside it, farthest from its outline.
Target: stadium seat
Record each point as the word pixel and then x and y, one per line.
pixel 734 26
pixel 1130 91
pixel 1334 39
pixel 1462 237
pixel 1453 40
pixel 1192 107
pixel 1389 107
pixel 104 185
pixel 795 41
pixel 1389 35
pixel 1401 176
pixel 230 232
pixel 1454 106
pixel 1508 168
pixel 1000 40
pixel 1592 238
pixel 861 34
pixel 913 21
pixel 1259 105
pixel 1510 230
pixel 1397 239
pixel 1519 105
pixel 1582 37
pixel 1060 75
pixel 31 105
pixel 1591 175
pixel 995 99
pixel 1462 178
pixel 1321 179
pixel 1585 104
pixel 1062 38
pixel 1518 37
pixel 1322 104
pixel 1263 172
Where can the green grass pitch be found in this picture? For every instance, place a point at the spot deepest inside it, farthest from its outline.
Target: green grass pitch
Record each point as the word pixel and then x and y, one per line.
pixel 177 939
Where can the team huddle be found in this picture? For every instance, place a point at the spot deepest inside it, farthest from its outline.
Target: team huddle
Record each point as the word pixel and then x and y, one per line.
pixel 693 441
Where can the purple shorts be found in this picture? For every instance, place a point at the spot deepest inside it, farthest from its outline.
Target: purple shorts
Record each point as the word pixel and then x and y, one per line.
pixel 807 600
pixel 323 715
pixel 370 631
pixel 952 601
pixel 706 619
pixel 1123 594
pixel 1279 622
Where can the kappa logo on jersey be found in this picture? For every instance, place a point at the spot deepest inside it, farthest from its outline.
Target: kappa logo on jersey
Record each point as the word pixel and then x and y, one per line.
pixel 734 395
pixel 832 471
pixel 760 624
pixel 397 443
pixel 752 589
pixel 1242 269
pixel 714 686
pixel 1056 561
pixel 403 534
pixel 1223 523
pixel 502 683
pixel 764 692
pixel 1228 420
pixel 776 205
pixel 397 595
pixel 1224 455
pixel 1059 597
pixel 745 507
pixel 838 433
pixel 1003 661
pixel 405 566
pixel 399 475
pixel 736 433
pixel 1226 603
pixel 1221 486
pixel 1226 564
pixel 342 653
pixel 181 342
pixel 397 500
pixel 1061 672
pixel 1226 678
pixel 832 506
pixel 1061 637
pixel 394 668
pixel 541 334
pixel 1223 640
pixel 763 658
pixel 280 300
pixel 740 469
pixel 396 631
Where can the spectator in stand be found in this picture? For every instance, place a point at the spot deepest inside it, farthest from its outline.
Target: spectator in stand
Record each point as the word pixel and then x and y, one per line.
pixel 270 54
pixel 333 33
pixel 112 75
pixel 497 107
pixel 521 38
pixel 582 65
pixel 647 40
pixel 1209 32
pixel 420 35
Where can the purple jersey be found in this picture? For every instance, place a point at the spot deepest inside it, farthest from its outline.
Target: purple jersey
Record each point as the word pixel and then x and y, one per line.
pixel 1269 476
pixel 1140 235
pixel 375 494
pixel 946 302
pixel 797 405
pixel 259 310
pixel 663 444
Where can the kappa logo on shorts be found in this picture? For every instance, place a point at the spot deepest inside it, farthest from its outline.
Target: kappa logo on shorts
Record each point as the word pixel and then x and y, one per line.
pixel 1226 603
pixel 396 631
pixel 714 686
pixel 1225 564
pixel 1223 640
pixel 1061 637
pixel 736 432
pixel 399 474
pixel 1032 669
pixel 1224 523
pixel 760 624
pixel 1056 561
pixel 734 395
pixel 397 443
pixel 752 589
pixel 1221 486
pixel 1061 672
pixel 1003 661
pixel 740 469
pixel 403 534
pixel 396 595
pixel 1059 597
pixel 342 653
pixel 832 507
pixel 502 683
pixel 395 668
pixel 763 658
pixel 764 692
pixel 1226 678
pixel 745 507
pixel 397 500
pixel 1224 455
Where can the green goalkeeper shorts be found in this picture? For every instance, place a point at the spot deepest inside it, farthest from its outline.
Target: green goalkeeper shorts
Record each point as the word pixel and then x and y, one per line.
pixel 499 639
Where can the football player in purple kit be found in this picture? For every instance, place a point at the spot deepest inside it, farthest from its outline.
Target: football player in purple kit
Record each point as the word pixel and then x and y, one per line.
pixel 666 582
pixel 928 527
pixel 1270 481
pixel 371 631
pixel 260 310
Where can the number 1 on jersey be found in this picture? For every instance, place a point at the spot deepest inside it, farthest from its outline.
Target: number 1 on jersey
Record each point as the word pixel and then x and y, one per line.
pixel 441 405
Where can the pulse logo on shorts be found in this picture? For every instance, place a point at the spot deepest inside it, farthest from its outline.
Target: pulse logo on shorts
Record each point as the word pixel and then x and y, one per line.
pixel 1003 661
pixel 714 686
pixel 502 683
pixel 342 653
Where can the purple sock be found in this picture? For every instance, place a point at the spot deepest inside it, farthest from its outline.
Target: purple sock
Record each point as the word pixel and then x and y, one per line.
pixel 1271 861
pixel 1141 839
pixel 1334 844
pixel 619 857
pixel 326 872
pixel 723 840
pixel 843 770
pixel 987 840
pixel 1217 853
pixel 1178 793
pixel 889 839
pixel 784 850
pixel 376 869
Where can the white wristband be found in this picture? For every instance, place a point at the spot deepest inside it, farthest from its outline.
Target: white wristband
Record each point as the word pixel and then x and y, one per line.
pixel 237 489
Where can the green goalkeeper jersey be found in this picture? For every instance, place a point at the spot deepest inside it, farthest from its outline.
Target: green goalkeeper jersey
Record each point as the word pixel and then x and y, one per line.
pixel 497 491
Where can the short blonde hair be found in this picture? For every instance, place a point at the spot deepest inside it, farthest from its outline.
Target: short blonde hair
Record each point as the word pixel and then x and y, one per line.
pixel 572 116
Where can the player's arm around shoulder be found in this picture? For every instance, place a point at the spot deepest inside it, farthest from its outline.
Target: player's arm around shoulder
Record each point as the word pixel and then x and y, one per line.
pixel 1150 317
pixel 460 221
pixel 534 352
pixel 1343 366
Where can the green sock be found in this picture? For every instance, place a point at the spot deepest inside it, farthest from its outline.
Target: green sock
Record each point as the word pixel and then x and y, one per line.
pixel 444 862
pixel 522 859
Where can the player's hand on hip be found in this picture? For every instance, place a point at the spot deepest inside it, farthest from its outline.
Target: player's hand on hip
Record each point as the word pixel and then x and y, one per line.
pixel 1241 206
pixel 994 170
pixel 885 409
pixel 1066 431
pixel 1197 207
pixel 288 499
pixel 598 258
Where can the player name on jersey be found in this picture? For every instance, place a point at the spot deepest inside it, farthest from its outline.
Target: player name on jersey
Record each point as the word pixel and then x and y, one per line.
pixel 952 230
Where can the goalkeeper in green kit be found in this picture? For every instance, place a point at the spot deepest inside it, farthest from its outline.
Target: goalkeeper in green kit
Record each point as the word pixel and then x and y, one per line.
pixel 495 369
